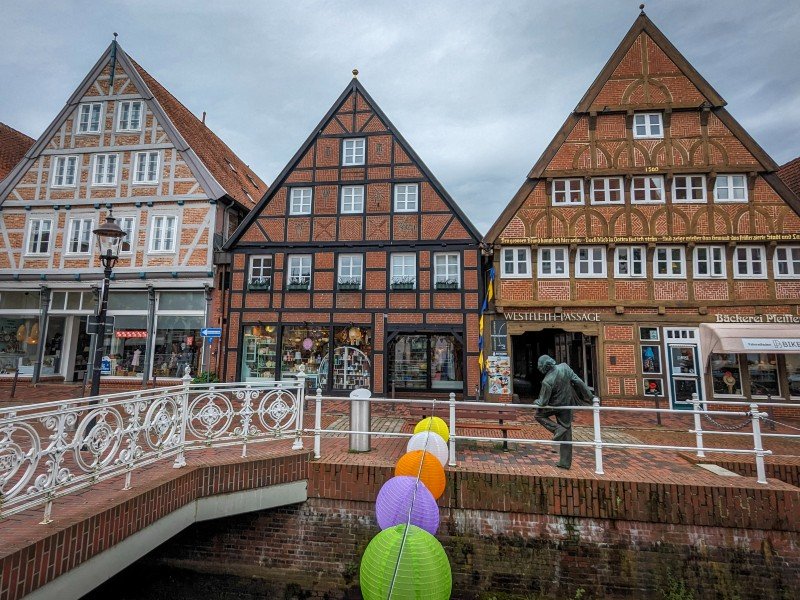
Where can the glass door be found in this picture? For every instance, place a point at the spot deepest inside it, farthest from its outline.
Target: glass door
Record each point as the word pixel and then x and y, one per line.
pixel 685 369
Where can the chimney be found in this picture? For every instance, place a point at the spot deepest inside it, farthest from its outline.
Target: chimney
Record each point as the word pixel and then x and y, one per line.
pixel 204 117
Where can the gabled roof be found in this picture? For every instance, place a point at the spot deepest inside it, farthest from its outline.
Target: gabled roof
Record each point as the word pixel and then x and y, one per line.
pixel 354 86
pixel 713 101
pixel 790 174
pixel 206 155
pixel 13 146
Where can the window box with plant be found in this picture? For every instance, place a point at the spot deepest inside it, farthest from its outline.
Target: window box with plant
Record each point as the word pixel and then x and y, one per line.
pixel 349 283
pixel 403 283
pixel 446 284
pixel 297 284
pixel 259 284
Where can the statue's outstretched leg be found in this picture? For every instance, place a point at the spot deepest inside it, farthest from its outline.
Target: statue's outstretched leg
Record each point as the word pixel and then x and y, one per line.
pixel 564 434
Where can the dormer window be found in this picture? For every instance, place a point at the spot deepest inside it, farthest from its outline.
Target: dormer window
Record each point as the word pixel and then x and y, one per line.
pixel 89 117
pixel 353 152
pixel 130 115
pixel 647 125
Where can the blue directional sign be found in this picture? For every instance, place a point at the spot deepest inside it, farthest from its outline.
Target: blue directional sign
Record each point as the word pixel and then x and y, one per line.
pixel 211 332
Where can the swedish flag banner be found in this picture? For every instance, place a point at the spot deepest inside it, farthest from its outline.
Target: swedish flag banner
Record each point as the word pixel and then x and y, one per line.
pixel 484 307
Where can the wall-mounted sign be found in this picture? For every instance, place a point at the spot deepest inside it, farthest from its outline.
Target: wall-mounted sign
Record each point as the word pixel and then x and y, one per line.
pixel 757 318
pixel 498 368
pixel 772 344
pixel 552 317
pixel 663 239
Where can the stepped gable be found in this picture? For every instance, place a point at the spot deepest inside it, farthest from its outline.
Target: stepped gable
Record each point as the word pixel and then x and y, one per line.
pixel 13 146
pixel 317 162
pixel 790 175
pixel 645 73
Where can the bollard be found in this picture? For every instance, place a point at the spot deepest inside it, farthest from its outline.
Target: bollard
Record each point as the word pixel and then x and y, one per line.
pixel 598 440
pixel 698 426
pixel 318 424
pixel 360 420
pixel 452 461
pixel 14 383
pixel 300 401
pixel 761 471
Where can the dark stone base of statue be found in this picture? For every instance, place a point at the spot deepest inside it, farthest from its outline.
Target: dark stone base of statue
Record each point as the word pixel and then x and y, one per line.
pixel 561 428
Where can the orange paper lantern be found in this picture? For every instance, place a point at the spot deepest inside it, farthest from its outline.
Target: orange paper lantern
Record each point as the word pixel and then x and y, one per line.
pixel 431 475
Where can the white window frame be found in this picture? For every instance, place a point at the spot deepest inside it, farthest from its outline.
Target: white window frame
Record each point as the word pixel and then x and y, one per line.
pixel 730 188
pixel 606 191
pixel 106 160
pixel 354 152
pixel 553 260
pixel 450 261
pixel 792 271
pixel 82 226
pixel 146 156
pixel 158 244
pixel 296 267
pixel 61 167
pixel 79 120
pixel 588 256
pixel 29 236
pixel 648 190
pixel 715 260
pixel 670 260
pixel 645 120
pixel 749 252
pixel 297 200
pixel 264 271
pixel 129 104
pixel 406 197
pixel 520 256
pixel 399 272
pixel 567 192
pixel 689 189
pixel 631 262
pixel 350 267
pixel 131 237
pixel 352 202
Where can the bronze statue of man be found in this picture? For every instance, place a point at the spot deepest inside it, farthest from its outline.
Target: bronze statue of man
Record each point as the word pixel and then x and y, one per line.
pixel 561 388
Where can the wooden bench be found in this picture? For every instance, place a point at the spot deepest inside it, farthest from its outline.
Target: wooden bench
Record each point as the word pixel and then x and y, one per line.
pixel 478 413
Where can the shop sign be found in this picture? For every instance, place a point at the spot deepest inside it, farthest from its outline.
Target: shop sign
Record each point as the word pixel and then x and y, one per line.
pixel 498 368
pixel 552 317
pixel 131 333
pixel 771 318
pixel 771 344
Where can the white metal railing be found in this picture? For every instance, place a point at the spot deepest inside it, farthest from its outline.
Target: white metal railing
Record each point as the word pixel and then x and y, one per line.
pixel 51 449
pixel 753 416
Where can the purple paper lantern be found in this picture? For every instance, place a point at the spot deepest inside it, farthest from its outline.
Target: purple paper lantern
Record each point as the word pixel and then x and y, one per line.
pixel 395 498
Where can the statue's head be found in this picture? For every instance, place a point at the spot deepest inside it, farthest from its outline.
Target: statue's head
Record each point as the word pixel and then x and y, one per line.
pixel 546 363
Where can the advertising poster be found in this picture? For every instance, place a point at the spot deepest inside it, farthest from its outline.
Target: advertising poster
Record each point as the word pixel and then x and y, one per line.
pixel 499 370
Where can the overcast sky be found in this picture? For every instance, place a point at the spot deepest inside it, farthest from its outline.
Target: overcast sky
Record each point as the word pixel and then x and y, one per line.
pixel 477 88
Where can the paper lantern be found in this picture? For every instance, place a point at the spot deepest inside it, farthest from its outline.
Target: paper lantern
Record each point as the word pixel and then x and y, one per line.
pixel 422 570
pixel 430 442
pixel 431 474
pixel 396 497
pixel 434 424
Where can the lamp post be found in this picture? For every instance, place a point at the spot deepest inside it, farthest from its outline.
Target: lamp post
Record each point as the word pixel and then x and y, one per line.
pixel 109 237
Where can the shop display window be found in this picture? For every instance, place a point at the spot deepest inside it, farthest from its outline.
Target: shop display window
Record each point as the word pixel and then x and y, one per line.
pixel 51 359
pixel 125 347
pixel 306 345
pixel 260 354
pixel 426 361
pixel 651 360
pixel 177 345
pixel 793 374
pixel 653 387
pixel 726 375
pixel 351 358
pixel 19 339
pixel 763 371
pixel 446 363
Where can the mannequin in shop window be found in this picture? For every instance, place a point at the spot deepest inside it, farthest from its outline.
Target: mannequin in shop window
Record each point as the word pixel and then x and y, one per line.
pixel 561 388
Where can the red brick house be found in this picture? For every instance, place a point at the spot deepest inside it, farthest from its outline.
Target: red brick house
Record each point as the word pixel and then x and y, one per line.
pixel 356 264
pixel 650 213
pixel 790 174
pixel 13 146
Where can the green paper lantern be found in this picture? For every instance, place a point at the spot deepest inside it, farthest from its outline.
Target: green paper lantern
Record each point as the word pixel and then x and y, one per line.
pixel 423 572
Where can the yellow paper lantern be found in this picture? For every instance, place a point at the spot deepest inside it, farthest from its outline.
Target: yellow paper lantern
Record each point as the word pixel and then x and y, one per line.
pixel 434 424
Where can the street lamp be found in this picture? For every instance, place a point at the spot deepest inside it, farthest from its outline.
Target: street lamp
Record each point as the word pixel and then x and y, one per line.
pixel 109 238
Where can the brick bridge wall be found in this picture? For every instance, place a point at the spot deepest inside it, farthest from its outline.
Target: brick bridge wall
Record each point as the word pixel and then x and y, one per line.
pixel 519 536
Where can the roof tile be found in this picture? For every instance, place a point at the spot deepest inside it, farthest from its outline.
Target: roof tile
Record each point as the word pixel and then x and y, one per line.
pixel 13 146
pixel 790 174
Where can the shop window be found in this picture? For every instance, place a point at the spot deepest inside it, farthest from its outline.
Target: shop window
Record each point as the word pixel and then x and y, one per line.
pixel 750 262
pixel 352 199
pixel 350 271
pixel 351 368
pixel 130 115
pixel 105 169
pixel 651 359
pixel 89 117
pixel 730 188
pixel 447 270
pixel 19 343
pixel 260 273
pixel 647 125
pixel 669 261
pixel 125 349
pixel 763 371
pixel 648 189
pixel 406 197
pixel 64 171
pixel 52 355
pixel 259 353
pixel 80 236
pixel 709 261
pixel 128 225
pixel 146 170
pixel 793 374
pixel 426 361
pixel 553 262
pixel 726 375
pixel 181 301
pixel 300 201
pixel 516 262
pixel 19 300
pixel 653 386
pixel 353 152
pixel 689 188
pixel 306 345
pixel 607 190
pixel 39 232
pixel 177 345
pixel 590 261
pixel 787 262
pixel 127 301
pixel 567 191
pixel 299 272
pixel 404 271
pixel 446 363
pixel 629 261
pixel 649 334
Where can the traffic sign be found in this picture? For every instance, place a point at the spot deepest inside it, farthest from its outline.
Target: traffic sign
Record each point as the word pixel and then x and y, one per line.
pixel 211 332
pixel 92 326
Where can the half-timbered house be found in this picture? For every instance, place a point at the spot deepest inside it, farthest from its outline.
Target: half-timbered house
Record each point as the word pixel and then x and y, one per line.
pixel 356 265
pixel 652 216
pixel 13 146
pixel 121 143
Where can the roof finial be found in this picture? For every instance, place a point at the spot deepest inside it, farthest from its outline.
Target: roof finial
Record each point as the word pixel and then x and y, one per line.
pixel 115 36
pixel 355 73
pixel 641 8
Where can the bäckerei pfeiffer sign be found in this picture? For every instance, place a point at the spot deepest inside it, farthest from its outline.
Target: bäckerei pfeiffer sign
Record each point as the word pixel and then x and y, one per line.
pixel 757 318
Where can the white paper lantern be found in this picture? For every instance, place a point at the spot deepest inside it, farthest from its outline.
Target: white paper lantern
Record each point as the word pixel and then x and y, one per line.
pixel 432 443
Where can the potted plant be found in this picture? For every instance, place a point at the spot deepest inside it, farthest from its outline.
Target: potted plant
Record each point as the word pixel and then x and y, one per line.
pixel 349 283
pixel 259 283
pixel 298 283
pixel 403 283
pixel 446 284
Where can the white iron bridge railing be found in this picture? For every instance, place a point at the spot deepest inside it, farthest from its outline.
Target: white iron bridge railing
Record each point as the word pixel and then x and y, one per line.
pixel 51 449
